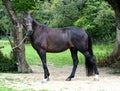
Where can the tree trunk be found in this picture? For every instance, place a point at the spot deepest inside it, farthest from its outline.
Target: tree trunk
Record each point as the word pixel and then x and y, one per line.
pixel 18 36
pixel 115 55
pixel 116 51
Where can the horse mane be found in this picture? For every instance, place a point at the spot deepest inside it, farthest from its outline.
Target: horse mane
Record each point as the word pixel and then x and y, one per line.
pixel 38 23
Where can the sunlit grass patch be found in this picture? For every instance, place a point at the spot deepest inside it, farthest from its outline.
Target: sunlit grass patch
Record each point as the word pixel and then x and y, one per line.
pixel 60 59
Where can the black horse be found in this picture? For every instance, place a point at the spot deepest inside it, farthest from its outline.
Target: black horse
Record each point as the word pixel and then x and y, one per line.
pixel 45 39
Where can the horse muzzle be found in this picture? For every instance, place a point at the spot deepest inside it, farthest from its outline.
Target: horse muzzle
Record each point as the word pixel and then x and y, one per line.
pixel 30 32
pixel 29 29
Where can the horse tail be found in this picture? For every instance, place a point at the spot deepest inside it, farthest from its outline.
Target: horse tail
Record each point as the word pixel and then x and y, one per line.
pixel 90 44
pixel 89 60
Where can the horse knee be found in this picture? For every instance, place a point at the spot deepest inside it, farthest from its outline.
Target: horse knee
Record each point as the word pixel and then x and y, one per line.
pixel 87 55
pixel 91 61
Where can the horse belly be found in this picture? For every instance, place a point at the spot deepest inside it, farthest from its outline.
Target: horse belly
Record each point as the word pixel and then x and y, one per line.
pixel 57 47
pixel 58 42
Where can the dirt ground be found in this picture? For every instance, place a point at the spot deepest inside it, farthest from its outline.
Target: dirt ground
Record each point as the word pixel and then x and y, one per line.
pixel 107 81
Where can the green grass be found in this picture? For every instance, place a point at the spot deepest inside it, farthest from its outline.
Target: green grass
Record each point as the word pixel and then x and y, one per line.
pixel 11 89
pixel 59 59
pixel 102 50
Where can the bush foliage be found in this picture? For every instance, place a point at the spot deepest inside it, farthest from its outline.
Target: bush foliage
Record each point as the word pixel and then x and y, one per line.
pixel 99 19
pixel 6 64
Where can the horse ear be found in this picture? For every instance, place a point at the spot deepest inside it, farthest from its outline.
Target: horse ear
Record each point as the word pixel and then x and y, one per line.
pixel 24 13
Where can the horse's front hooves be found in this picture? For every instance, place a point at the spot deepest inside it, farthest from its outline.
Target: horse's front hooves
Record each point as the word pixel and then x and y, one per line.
pixel 68 79
pixel 45 80
pixel 96 78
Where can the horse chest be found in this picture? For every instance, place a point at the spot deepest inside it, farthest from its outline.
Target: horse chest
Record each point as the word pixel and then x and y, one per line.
pixel 39 42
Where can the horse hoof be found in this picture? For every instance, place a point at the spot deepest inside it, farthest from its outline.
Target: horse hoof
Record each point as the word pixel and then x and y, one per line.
pixel 45 80
pixel 68 79
pixel 96 78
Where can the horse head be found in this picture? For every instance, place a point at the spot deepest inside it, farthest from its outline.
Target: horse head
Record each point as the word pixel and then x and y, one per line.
pixel 27 22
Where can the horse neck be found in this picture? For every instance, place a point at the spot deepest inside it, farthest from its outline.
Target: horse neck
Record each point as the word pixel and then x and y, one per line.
pixel 35 29
pixel 36 24
pixel 38 28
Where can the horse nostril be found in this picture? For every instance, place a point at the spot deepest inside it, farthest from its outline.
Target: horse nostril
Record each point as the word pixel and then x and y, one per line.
pixel 30 32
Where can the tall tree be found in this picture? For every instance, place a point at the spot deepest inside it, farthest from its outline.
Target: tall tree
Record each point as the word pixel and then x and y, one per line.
pixel 18 36
pixel 116 6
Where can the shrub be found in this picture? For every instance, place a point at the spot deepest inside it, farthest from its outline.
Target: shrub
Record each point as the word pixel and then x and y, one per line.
pixel 7 64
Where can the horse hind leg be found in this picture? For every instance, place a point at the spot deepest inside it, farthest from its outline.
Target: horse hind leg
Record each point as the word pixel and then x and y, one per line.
pixel 90 65
pixel 75 63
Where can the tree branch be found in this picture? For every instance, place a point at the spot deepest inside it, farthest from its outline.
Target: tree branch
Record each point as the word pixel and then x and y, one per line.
pixel 1 47
pixel 10 11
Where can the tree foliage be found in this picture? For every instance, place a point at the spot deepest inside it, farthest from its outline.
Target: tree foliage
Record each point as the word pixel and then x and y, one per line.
pixel 19 6
pixel 99 19
pixel 4 20
pixel 58 13
pixel 23 5
pixel 96 16
pixel 62 13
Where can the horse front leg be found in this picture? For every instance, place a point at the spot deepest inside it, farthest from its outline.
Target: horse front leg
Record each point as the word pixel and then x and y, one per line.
pixel 75 63
pixel 42 54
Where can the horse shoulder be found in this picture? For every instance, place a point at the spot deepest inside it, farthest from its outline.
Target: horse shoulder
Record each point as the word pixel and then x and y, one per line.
pixel 39 40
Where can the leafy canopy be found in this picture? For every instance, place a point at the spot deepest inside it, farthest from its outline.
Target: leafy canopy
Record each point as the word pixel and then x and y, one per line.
pixel 23 5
